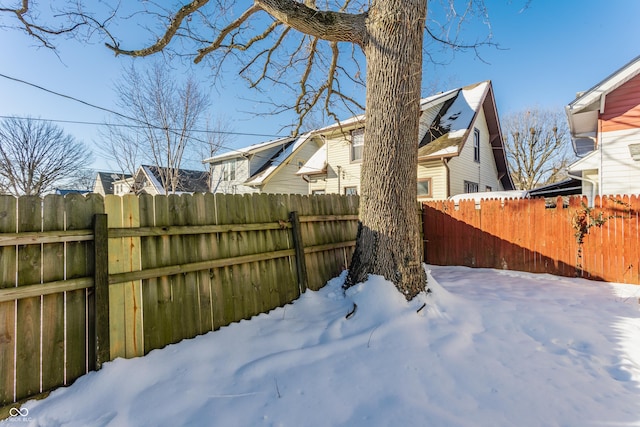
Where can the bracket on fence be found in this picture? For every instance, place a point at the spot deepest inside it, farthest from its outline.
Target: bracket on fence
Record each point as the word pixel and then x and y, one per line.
pixel 301 265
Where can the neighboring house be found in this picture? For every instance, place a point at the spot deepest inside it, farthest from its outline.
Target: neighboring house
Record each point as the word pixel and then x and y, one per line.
pixel 147 180
pixel 460 148
pixel 104 183
pixel 269 167
pixel 605 131
pixel 65 191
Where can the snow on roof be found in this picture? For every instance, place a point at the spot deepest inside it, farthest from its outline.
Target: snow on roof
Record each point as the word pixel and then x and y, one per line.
pixel 430 101
pixel 152 178
pixel 316 163
pixel 251 149
pixel 447 131
pixel 275 162
pixel 460 114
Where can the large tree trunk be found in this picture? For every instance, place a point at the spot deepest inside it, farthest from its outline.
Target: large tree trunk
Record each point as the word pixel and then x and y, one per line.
pixel 388 241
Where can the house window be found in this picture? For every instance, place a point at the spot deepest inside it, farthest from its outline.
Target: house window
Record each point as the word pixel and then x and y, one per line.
pixel 424 187
pixel 317 192
pixel 476 145
pixel 470 187
pixel 357 143
pixel 351 191
pixel 229 170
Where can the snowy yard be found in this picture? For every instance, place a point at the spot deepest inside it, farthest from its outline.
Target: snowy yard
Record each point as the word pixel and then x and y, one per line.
pixel 490 348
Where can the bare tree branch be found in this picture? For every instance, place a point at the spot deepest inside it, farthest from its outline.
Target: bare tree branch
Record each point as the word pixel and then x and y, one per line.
pixel 39 32
pixel 163 41
pixel 228 29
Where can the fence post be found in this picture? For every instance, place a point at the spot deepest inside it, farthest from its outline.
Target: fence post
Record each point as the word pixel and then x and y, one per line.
pixel 101 289
pixel 301 265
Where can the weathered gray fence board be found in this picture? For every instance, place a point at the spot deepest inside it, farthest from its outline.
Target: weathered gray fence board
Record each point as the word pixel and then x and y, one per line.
pixel 8 264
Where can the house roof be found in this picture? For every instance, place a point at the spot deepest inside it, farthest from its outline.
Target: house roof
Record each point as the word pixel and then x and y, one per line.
pixel 250 150
pixel 278 160
pixel 317 164
pixel 583 111
pixel 567 187
pixel 451 126
pixel 189 181
pixel 446 134
pixel 108 178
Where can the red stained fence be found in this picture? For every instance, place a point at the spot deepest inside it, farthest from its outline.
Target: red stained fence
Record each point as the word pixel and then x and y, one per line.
pixel 600 243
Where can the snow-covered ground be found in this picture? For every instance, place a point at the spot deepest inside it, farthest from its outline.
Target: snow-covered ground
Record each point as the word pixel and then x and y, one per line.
pixel 490 348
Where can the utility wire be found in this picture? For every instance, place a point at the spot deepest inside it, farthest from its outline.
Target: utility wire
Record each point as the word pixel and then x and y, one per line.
pixel 142 124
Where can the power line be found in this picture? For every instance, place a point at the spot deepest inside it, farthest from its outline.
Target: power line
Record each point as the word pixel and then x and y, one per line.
pixel 79 122
pixel 142 123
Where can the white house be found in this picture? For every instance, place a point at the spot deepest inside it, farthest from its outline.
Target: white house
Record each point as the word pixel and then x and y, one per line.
pixel 605 131
pixel 269 167
pixel 460 148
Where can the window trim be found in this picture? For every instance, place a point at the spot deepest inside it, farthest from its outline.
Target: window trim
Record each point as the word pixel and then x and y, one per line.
pixel 360 134
pixel 468 184
pixel 229 175
pixel 352 187
pixel 430 186
pixel 476 145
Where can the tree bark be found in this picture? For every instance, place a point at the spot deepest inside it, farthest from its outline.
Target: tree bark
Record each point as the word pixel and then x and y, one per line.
pixel 327 25
pixel 388 241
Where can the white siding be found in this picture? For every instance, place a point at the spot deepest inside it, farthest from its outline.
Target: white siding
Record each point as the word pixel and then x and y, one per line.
pixel 339 160
pixel 620 173
pixel 235 186
pixel 285 180
pixel 338 155
pixel 464 168
pixel 437 171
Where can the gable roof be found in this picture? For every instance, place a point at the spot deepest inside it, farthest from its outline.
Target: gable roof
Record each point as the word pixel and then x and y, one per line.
pixel 249 151
pixel 451 126
pixel 446 134
pixel 189 181
pixel 317 164
pixel 583 111
pixel 108 178
pixel 278 160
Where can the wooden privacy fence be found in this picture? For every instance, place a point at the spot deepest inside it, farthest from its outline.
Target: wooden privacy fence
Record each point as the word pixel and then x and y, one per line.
pixel 84 280
pixel 601 243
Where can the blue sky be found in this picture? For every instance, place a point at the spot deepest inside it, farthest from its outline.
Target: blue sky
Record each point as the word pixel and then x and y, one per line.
pixel 547 53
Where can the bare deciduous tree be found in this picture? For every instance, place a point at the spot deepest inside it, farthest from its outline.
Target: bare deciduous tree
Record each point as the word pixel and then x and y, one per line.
pixel 219 134
pixel 36 156
pixel 167 115
pixel 537 145
pixel 325 44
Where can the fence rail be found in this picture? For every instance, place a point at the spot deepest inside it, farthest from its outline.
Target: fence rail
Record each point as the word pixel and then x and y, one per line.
pixel 85 279
pixel 600 243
